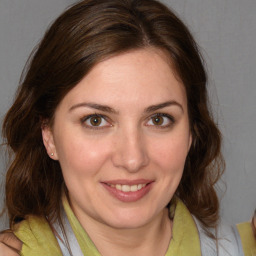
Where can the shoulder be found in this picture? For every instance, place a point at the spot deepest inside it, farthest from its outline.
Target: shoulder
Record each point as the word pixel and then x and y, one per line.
pixel 228 241
pixel 37 237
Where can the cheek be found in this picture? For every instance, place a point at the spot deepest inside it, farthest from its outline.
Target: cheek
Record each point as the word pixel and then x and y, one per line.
pixel 81 157
pixel 168 160
pixel 171 153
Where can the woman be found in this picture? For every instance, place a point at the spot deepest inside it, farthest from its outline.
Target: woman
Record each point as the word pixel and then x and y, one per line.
pixel 115 151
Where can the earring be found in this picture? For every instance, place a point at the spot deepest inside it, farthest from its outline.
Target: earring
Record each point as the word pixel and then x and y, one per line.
pixel 52 154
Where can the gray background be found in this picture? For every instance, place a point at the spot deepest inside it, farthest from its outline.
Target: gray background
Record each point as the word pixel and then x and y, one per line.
pixel 226 32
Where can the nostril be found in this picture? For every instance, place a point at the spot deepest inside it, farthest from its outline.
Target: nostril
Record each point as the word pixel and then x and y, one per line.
pixel 130 163
pixel 129 152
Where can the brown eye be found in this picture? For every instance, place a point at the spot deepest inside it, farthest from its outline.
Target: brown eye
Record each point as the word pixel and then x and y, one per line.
pixel 95 121
pixel 157 120
pixel 161 120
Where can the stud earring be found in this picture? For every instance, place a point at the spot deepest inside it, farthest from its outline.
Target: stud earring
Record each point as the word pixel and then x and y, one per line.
pixel 52 154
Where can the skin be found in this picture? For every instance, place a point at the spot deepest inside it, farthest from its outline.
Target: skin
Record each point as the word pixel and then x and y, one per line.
pixel 10 245
pixel 128 145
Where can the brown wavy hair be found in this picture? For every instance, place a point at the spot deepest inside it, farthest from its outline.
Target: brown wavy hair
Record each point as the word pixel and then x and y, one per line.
pixel 85 34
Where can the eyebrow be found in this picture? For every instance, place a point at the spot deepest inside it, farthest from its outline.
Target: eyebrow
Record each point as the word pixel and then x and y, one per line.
pixel 108 109
pixel 163 105
pixel 103 108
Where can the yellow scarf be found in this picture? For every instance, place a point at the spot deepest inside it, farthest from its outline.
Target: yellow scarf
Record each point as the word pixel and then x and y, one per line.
pixel 38 239
pixel 247 238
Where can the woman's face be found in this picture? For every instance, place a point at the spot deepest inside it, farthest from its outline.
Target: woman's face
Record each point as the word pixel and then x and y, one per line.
pixel 122 136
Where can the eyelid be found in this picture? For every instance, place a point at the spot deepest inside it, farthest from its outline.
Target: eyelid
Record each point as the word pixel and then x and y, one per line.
pixel 170 117
pixel 87 117
pixel 109 124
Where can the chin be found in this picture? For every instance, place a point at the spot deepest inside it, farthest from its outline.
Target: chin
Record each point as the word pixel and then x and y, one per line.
pixel 127 224
pixel 129 219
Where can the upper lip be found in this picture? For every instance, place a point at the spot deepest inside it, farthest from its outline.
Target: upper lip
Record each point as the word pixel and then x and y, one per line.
pixel 128 182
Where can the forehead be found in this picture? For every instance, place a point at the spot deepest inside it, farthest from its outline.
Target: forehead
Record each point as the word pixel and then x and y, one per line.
pixel 141 77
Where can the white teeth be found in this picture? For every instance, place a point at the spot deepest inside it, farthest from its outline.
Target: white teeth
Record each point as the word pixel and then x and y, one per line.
pixel 128 188
pixel 134 188
pixel 119 187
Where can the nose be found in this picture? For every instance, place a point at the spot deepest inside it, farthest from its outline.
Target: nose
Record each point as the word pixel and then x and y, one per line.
pixel 130 151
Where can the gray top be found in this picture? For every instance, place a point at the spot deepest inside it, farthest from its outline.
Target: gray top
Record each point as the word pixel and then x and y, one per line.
pixel 229 242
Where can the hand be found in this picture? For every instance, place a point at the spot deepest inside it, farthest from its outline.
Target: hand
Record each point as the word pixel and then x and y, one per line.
pixel 10 245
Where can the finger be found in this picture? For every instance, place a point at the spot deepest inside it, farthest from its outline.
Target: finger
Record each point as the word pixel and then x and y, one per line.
pixel 9 239
pixel 5 250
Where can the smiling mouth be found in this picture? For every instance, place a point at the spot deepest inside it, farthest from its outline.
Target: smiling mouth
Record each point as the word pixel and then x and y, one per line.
pixel 128 191
pixel 127 188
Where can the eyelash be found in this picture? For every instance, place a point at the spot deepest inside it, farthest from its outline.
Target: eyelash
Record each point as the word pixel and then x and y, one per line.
pixel 170 119
pixel 106 119
pixel 86 118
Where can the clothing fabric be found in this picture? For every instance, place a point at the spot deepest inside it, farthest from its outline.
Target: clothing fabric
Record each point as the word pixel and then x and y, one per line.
pixel 229 242
pixel 187 234
pixel 185 240
pixel 247 238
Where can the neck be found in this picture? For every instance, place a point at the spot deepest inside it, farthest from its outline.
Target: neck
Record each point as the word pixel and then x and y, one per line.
pixel 150 239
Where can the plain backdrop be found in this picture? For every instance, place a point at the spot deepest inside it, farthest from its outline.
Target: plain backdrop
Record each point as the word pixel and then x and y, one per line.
pixel 226 33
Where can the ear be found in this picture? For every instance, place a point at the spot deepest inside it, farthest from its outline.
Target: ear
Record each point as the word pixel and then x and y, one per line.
pixel 48 140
